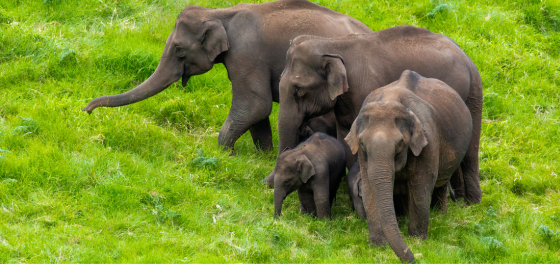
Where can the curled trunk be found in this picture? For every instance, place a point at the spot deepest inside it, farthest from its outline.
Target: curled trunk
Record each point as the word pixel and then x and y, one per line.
pixel 381 179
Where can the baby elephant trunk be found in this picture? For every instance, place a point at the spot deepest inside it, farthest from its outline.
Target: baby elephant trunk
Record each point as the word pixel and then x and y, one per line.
pixel 279 197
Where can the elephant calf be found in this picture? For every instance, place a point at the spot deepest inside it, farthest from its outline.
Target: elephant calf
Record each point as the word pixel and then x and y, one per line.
pixel 353 181
pixel 314 168
pixel 411 134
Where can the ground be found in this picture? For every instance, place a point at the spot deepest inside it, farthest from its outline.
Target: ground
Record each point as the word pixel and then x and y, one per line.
pixel 148 183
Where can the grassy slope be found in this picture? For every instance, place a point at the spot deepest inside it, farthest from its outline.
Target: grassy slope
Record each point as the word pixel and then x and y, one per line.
pixel 120 185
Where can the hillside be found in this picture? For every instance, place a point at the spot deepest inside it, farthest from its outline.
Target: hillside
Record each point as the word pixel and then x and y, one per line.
pixel 132 184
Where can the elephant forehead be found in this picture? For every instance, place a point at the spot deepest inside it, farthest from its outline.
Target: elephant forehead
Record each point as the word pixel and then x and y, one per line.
pixel 391 109
pixel 301 73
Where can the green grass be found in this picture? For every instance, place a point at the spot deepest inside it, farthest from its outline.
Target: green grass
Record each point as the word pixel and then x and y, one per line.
pixel 131 184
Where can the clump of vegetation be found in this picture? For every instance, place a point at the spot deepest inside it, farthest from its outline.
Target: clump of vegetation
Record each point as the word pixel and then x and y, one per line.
pixel 204 162
pixel 27 127
pixel 443 8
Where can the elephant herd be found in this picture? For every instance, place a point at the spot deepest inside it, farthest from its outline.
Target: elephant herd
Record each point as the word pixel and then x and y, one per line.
pixel 399 108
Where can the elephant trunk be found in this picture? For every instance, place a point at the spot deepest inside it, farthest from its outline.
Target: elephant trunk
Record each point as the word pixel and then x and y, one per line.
pixel 279 197
pixel 381 179
pixel 289 124
pixel 269 180
pixel 166 73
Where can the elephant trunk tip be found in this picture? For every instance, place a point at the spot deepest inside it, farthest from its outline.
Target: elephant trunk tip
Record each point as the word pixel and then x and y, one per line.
pixel 87 110
pixel 408 256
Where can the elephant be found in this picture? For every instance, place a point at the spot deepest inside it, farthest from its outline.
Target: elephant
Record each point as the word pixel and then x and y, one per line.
pixel 323 74
pixel 411 134
pixel 251 40
pixel 353 180
pixel 314 168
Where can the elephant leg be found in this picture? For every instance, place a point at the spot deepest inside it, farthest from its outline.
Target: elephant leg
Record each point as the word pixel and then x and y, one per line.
pixel 457 183
pixel 321 196
pixel 419 199
pixel 470 166
pixel 307 204
pixel 250 107
pixel 376 236
pixel 439 198
pixel 262 134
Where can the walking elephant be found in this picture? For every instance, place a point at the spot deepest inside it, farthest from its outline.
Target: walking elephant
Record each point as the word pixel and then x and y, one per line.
pixel 323 74
pixel 251 40
pixel 411 134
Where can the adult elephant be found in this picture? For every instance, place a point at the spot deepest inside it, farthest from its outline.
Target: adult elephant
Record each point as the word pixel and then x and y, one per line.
pixel 251 40
pixel 323 74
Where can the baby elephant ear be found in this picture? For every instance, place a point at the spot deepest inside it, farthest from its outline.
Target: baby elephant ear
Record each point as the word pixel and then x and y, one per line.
pixel 305 168
pixel 215 39
pixel 352 138
pixel 418 139
pixel 337 83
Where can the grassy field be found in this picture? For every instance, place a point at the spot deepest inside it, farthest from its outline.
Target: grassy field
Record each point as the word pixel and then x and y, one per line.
pixel 129 184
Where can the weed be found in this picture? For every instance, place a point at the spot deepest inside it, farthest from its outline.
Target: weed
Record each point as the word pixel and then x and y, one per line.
pixel 27 127
pixel 204 162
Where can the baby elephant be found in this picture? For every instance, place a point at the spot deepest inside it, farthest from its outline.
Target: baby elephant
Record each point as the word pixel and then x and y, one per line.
pixel 410 135
pixel 314 168
pixel 354 181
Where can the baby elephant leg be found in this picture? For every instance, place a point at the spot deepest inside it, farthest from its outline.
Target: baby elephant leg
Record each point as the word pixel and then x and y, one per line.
pixel 322 203
pixel 307 204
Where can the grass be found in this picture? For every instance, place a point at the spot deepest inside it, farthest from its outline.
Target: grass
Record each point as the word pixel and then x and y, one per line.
pixel 148 183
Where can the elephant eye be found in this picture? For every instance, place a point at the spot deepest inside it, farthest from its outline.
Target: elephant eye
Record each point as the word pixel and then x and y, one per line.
pixel 299 92
pixel 179 51
pixel 400 146
pixel 362 146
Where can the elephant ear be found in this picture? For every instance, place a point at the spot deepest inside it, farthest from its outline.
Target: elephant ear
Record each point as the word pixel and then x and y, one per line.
pixel 418 139
pixel 215 39
pixel 305 168
pixel 337 82
pixel 352 137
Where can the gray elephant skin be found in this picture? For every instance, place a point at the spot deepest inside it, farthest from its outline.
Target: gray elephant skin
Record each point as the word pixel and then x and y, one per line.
pixel 314 168
pixel 353 181
pixel 251 40
pixel 411 134
pixel 323 74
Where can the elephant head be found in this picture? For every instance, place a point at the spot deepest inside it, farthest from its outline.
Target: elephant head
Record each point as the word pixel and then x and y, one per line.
pixel 307 73
pixel 192 48
pixel 293 169
pixel 382 134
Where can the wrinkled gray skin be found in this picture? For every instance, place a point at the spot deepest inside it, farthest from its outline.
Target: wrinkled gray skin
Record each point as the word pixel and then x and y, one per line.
pixel 411 134
pixel 323 74
pixel 251 40
pixel 314 168
pixel 353 181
